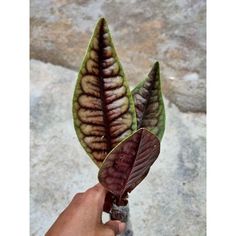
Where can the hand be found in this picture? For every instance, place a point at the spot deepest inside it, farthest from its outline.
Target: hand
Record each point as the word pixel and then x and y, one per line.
pixel 83 216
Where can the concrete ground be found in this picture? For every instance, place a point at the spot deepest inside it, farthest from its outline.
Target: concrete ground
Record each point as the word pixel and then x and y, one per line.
pixel 169 202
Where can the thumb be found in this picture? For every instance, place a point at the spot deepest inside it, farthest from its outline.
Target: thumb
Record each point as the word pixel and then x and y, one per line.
pixel 116 226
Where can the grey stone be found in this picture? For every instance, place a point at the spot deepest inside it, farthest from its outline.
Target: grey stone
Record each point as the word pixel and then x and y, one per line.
pixel 172 32
pixel 189 93
pixel 169 202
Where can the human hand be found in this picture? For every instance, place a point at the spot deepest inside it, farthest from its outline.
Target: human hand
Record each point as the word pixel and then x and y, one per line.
pixel 83 216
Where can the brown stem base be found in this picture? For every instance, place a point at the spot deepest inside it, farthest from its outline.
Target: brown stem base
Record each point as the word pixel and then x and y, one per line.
pixel 122 213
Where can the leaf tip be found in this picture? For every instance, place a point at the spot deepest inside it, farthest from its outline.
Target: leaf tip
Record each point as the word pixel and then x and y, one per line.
pixel 154 70
pixel 102 20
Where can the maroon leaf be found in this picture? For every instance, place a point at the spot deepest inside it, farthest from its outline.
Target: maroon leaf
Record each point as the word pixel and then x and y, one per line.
pixel 149 105
pixel 129 162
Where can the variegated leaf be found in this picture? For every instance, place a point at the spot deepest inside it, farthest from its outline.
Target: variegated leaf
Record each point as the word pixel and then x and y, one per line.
pixel 129 162
pixel 103 107
pixel 149 103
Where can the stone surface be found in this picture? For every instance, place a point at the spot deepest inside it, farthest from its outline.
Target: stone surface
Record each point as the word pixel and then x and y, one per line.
pixel 169 202
pixel 172 32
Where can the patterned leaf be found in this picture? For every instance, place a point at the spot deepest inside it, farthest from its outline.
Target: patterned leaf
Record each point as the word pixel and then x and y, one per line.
pixel 103 107
pixel 129 162
pixel 149 103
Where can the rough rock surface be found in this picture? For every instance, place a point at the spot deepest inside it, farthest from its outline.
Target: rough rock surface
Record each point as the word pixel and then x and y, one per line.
pixel 169 202
pixel 172 32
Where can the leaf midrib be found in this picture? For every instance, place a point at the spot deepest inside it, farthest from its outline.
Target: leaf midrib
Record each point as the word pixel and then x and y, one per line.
pixel 136 154
pixel 149 95
pixel 101 84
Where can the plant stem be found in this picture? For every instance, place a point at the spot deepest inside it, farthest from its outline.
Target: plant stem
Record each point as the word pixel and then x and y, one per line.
pixel 122 213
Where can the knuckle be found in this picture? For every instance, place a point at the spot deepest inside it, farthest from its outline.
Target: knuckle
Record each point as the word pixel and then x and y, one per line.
pixel 89 195
pixel 92 192
pixel 92 195
pixel 77 197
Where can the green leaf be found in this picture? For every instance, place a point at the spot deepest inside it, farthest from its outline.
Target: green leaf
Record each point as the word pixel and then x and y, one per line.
pixel 129 162
pixel 103 107
pixel 149 103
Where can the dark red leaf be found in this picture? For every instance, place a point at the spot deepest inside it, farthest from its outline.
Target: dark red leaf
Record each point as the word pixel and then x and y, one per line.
pixel 129 162
pixel 149 103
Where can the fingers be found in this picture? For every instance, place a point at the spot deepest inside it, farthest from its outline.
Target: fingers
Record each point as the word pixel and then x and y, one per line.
pixel 92 200
pixel 97 195
pixel 116 226
pixel 98 190
pixel 90 203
